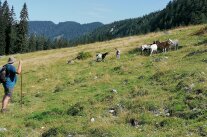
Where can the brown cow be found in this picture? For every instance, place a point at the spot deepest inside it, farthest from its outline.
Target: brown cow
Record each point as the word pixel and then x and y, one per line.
pixel 164 46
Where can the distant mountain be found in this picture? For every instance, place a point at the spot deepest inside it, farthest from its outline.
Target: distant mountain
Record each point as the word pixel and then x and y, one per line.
pixel 176 13
pixel 68 30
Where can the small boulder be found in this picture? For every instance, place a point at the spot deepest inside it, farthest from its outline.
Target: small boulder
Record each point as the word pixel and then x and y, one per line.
pixel 95 77
pixel 113 111
pixel 71 61
pixel 92 119
pixel 141 77
pixel 114 91
pixel 204 60
pixel 135 123
pixel 3 129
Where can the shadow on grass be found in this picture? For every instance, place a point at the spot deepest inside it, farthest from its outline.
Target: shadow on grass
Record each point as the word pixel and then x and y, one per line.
pixel 196 53
pixel 135 51
pixel 202 31
pixel 202 42
pixel 204 60
pixel 46 114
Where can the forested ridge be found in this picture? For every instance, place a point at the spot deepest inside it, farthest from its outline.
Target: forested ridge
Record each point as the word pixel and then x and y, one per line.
pixel 177 13
pixel 67 30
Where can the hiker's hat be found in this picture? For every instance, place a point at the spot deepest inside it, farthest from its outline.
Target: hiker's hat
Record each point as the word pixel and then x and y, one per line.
pixel 11 60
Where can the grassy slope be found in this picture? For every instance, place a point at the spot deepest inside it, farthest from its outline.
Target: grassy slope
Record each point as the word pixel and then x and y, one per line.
pixel 60 99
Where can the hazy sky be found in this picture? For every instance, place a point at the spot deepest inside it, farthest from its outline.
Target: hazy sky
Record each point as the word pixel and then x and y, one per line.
pixel 86 11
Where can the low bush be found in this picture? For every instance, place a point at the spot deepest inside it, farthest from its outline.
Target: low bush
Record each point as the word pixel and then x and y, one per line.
pixel 53 132
pixel 46 114
pixel 84 55
pixel 76 110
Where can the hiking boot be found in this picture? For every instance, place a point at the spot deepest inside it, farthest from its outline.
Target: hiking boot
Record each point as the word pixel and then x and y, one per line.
pixel 4 110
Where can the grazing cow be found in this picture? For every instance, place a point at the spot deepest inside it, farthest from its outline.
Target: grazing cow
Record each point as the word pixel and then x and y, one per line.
pixel 174 43
pixel 152 48
pixel 101 56
pixel 145 47
pixel 164 46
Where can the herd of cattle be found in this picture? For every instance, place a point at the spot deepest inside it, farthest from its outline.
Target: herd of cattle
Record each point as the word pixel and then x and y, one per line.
pixel 151 48
pixel 163 46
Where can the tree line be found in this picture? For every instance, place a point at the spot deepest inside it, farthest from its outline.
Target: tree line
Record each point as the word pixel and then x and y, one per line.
pixel 14 36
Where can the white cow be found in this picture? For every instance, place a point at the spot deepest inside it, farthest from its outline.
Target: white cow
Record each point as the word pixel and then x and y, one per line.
pixel 174 43
pixel 98 57
pixel 152 48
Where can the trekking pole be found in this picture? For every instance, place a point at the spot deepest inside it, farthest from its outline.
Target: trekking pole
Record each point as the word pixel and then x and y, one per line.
pixel 21 88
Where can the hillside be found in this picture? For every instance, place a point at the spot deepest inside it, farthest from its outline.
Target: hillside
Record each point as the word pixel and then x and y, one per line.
pixel 154 96
pixel 176 13
pixel 68 30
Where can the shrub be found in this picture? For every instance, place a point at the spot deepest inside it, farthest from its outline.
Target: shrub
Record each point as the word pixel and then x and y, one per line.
pixel 55 112
pixel 58 89
pixel 76 110
pixel 120 69
pixel 56 132
pixel 50 132
pixel 32 123
pixel 84 55
pixel 138 91
pixel 100 132
pixel 162 123
pixel 201 31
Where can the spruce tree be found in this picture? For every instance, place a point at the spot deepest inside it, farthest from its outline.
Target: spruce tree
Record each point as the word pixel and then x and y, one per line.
pixel 32 43
pixel 13 32
pixel 2 31
pixel 23 30
pixel 7 23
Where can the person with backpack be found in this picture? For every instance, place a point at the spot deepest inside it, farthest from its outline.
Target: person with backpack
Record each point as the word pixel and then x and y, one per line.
pixel 8 80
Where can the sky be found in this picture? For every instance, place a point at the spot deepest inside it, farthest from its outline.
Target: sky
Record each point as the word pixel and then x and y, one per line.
pixel 86 11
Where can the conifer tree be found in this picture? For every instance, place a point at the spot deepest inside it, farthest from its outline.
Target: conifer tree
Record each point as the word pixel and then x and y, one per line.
pixel 3 25
pixel 32 43
pixel 13 32
pixel 23 30
pixel 2 31
pixel 7 23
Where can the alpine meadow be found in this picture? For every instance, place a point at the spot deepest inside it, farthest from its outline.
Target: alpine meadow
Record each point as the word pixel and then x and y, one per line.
pixel 63 91
pixel 159 95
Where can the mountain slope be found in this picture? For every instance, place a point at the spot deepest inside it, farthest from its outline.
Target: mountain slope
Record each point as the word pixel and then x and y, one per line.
pixel 68 30
pixel 160 95
pixel 177 13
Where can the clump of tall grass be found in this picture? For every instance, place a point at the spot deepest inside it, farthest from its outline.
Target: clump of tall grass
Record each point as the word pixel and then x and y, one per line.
pixel 84 55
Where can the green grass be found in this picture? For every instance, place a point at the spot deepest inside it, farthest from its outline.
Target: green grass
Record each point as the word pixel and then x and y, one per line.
pixel 165 93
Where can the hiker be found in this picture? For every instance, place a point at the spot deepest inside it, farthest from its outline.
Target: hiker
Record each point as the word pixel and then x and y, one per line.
pixel 10 81
pixel 117 53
